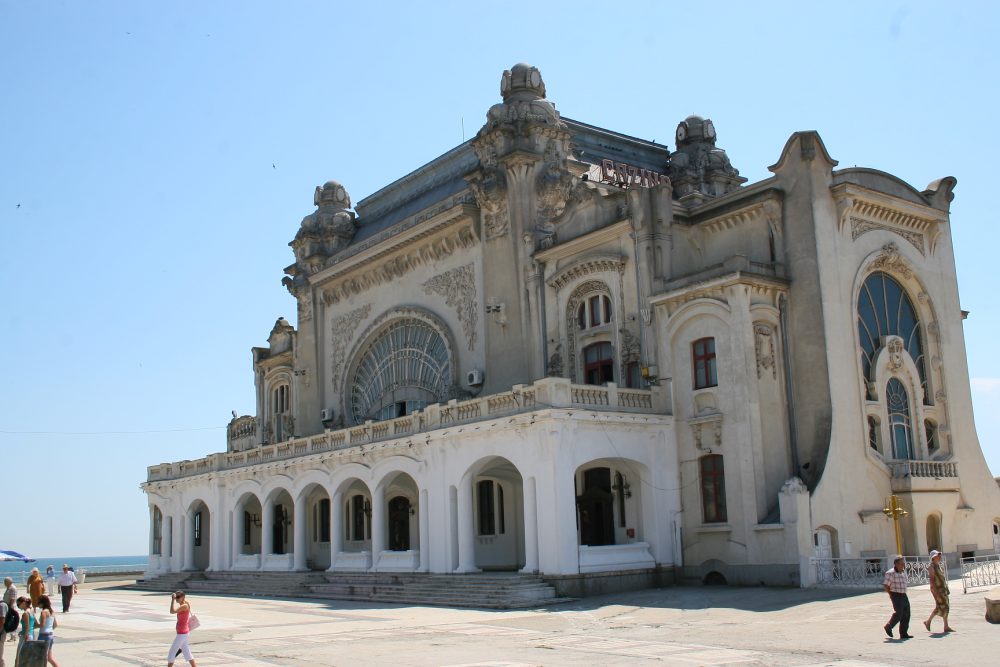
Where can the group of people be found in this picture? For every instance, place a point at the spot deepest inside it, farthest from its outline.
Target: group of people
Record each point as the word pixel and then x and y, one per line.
pixel 894 584
pixel 37 617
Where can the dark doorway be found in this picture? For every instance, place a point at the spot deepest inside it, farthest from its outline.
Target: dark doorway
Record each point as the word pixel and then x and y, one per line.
pixel 399 524
pixel 595 506
pixel 278 529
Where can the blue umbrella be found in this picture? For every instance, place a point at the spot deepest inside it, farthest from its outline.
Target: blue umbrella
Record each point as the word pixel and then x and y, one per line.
pixel 13 555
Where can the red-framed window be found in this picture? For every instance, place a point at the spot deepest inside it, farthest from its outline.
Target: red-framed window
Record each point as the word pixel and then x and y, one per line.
pixel 703 358
pixel 598 364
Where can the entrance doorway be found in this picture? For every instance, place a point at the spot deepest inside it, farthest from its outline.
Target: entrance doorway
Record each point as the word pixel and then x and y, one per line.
pixel 399 524
pixel 595 507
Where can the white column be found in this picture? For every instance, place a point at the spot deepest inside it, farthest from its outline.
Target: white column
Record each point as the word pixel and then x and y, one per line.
pixel 299 534
pixel 266 531
pixel 466 529
pixel 336 528
pixel 378 525
pixel 424 530
pixel 530 527
pixel 152 530
pixel 187 562
pixel 237 535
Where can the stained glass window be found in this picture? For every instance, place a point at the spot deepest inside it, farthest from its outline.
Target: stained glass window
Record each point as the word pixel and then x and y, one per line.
pixel 898 403
pixel 406 367
pixel 884 309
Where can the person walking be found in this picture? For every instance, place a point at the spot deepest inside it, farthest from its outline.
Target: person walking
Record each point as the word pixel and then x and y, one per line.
pixel 4 608
pixel 36 587
pixel 894 584
pixel 182 609
pixel 10 597
pixel 67 586
pixel 27 631
pixel 50 581
pixel 46 625
pixel 939 589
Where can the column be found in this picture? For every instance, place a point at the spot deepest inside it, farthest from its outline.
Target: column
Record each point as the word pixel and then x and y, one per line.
pixel 150 542
pixel 425 532
pixel 266 531
pixel 167 550
pixel 237 535
pixel 378 525
pixel 466 529
pixel 530 527
pixel 336 528
pixel 299 534
pixel 187 561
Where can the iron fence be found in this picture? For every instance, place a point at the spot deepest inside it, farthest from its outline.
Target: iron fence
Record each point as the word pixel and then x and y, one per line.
pixel 980 572
pixel 867 572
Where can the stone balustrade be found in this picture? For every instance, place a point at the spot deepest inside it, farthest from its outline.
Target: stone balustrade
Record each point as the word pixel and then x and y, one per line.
pixel 913 468
pixel 543 394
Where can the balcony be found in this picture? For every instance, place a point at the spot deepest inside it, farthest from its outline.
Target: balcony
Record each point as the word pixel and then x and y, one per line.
pixel 542 395
pixel 909 476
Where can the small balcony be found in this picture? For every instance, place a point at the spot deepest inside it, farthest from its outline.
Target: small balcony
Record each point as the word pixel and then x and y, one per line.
pixel 549 393
pixel 910 475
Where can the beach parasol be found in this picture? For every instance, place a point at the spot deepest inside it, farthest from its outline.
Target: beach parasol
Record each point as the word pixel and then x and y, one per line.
pixel 13 555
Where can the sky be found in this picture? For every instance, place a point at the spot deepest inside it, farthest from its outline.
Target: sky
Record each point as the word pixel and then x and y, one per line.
pixel 157 158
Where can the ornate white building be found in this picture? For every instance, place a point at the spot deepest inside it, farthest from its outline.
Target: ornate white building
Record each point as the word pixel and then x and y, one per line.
pixel 566 351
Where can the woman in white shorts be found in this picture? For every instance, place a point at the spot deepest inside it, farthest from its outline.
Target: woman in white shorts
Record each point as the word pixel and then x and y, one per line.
pixel 179 606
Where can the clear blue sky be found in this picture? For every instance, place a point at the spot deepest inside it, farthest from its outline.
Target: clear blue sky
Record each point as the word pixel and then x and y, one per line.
pixel 146 256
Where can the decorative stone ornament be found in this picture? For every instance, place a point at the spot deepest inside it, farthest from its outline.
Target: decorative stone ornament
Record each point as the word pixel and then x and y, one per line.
pixel 697 167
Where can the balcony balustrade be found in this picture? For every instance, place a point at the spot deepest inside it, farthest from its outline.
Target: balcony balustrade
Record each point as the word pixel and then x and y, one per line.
pixel 914 475
pixel 547 393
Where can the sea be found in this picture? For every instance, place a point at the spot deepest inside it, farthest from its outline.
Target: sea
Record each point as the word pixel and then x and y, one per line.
pixel 19 571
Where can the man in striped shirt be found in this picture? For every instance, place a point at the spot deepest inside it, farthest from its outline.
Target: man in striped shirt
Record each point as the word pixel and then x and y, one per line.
pixel 895 585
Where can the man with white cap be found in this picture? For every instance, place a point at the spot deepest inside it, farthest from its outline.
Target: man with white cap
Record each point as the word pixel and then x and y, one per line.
pixel 939 589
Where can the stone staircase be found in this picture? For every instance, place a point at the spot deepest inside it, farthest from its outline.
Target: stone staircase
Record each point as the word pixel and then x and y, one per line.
pixel 487 590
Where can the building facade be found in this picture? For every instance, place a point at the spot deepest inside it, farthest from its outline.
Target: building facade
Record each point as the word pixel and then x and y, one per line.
pixel 563 350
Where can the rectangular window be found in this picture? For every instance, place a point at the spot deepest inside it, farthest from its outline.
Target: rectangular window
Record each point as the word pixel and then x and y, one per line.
pixel 487 514
pixel 358 521
pixel 197 529
pixel 324 519
pixel 713 489
pixel 500 514
pixel 595 311
pixel 633 375
pixel 703 355
pixel 247 527
pixel 598 363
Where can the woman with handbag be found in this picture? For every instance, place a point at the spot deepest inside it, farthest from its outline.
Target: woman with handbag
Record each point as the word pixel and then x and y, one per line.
pixel 180 607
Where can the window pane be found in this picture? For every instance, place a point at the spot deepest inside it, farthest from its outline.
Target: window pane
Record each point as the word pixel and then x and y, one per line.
pixel 486 509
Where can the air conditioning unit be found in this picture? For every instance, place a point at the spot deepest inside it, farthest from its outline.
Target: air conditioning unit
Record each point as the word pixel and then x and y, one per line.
pixel 326 415
pixel 474 378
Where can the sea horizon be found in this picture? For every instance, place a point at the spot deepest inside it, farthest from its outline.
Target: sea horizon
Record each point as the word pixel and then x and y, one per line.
pixel 18 570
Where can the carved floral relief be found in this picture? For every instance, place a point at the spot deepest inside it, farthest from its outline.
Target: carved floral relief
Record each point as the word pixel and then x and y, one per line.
pixel 458 287
pixel 342 331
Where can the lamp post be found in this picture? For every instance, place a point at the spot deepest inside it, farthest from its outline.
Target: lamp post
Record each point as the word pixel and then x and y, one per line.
pixel 894 512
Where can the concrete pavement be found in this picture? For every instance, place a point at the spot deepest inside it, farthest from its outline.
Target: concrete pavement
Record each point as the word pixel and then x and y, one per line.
pixel 682 626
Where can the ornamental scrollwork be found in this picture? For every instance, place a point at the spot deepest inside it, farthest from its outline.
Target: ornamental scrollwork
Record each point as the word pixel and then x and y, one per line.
pixel 458 287
pixel 343 331
pixel 764 347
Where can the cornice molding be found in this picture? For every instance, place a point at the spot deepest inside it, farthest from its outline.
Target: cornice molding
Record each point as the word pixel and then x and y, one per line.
pixel 585 267
pixel 440 237
pixel 583 243
pixel 865 210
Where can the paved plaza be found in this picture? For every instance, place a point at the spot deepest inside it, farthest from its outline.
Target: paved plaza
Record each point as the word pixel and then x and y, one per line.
pixel 683 626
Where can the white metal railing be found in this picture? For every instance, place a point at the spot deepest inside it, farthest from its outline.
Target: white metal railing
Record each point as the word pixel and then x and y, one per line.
pixel 980 572
pixel 20 577
pixel 866 572
pixel 545 393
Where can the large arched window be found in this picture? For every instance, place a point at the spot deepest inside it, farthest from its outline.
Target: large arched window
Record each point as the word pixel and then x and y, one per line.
pixel 884 309
pixel 405 367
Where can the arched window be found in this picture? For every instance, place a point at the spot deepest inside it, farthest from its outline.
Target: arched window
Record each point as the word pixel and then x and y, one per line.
pixel 156 549
pixel 598 364
pixel 713 489
pixel 900 431
pixel 406 367
pixel 281 406
pixel 884 309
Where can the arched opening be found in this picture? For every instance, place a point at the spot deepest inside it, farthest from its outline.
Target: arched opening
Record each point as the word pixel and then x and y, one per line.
pixel 199 537
pixel 402 525
pixel 318 509
pixel 933 529
pixel 595 508
pixel 248 538
pixel 498 515
pixel 715 578
pixel 996 536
